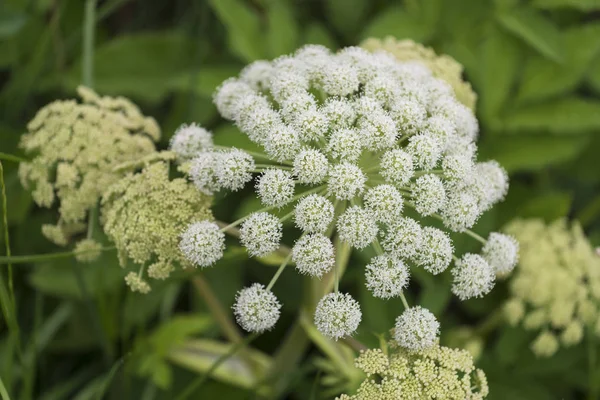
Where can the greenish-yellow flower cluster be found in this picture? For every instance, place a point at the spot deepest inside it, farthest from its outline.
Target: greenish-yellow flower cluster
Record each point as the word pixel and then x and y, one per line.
pixel 435 373
pixel 556 287
pixel 74 149
pixel 442 66
pixel 144 215
pixel 87 250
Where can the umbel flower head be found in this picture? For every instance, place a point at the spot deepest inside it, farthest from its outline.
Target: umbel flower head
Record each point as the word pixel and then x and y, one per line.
pixel 146 215
pixel 555 290
pixel 443 66
pixel 435 373
pixel 75 149
pixel 351 141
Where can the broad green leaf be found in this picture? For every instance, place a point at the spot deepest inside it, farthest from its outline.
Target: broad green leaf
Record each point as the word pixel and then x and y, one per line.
pixel 535 30
pixel 531 152
pixel 199 354
pixel 346 16
pixel 175 331
pixel 568 115
pixel 153 351
pixel 582 5
pixel 316 33
pixel 543 78
pixel 282 29
pixel 397 22
pixel 243 28
pixel 145 66
pixel 500 55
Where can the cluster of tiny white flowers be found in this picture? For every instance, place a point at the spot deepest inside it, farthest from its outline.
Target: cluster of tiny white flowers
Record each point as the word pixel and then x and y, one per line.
pixel 189 140
pixel 473 277
pixel 350 141
pixel 501 252
pixel 202 243
pixel 416 329
pixel 386 276
pixel 337 315
pixel 256 309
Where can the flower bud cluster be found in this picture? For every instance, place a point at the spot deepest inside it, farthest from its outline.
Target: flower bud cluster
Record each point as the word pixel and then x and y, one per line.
pixel 555 290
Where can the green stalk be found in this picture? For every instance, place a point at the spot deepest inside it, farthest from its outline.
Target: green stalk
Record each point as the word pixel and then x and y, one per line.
pixel 45 257
pixel 11 157
pixel 11 288
pixel 279 271
pixel 87 77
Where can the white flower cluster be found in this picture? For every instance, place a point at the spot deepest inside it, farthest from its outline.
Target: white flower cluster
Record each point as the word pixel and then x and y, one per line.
pixel 352 140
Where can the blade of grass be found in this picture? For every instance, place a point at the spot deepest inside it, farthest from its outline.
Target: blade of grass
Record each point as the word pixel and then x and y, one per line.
pixel 11 288
pixel 29 379
pixel 3 391
pixel 111 374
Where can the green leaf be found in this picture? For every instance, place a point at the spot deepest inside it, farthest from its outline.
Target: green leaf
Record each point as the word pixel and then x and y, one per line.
pixel 535 30
pixel 346 15
pixel 568 115
pixel 397 22
pixel 175 332
pixel 199 354
pixel 581 5
pixel 531 152
pixel 243 28
pixel 145 66
pixel 499 64
pixel 282 29
pixel 543 78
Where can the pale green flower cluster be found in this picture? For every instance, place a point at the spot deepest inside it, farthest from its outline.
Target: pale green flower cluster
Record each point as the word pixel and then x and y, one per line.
pixel 87 250
pixel 435 373
pixel 556 287
pixel 442 66
pixel 74 149
pixel 144 214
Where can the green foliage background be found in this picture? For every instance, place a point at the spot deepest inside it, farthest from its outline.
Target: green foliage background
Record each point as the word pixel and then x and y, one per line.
pixel 535 65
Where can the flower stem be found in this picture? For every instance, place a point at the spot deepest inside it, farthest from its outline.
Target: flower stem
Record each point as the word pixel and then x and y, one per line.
pixel 269 208
pixel 45 257
pixel 217 310
pixel 262 167
pixel 379 251
pixel 254 154
pixel 11 157
pixel 88 43
pixel 279 271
